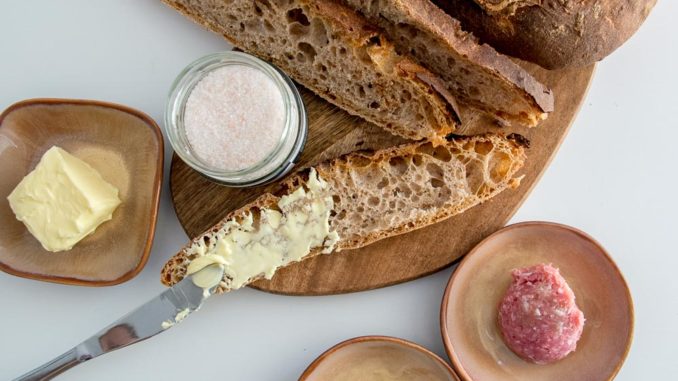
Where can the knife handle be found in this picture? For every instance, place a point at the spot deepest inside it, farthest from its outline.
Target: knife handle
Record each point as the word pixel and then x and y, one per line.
pixel 55 367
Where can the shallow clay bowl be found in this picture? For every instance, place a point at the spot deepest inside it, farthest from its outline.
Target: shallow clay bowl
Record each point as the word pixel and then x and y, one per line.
pixel 469 309
pixel 348 361
pixel 124 145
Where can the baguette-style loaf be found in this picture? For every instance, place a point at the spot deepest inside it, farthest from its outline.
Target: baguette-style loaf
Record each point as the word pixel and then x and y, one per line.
pixel 333 51
pixel 475 74
pixel 551 33
pixel 392 191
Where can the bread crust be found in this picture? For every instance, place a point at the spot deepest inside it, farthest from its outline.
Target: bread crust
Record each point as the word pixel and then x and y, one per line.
pixel 552 33
pixel 445 34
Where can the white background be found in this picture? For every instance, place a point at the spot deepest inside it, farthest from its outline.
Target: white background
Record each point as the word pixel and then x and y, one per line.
pixel 615 177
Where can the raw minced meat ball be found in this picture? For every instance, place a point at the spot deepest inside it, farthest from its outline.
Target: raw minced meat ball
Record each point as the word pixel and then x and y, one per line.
pixel 538 316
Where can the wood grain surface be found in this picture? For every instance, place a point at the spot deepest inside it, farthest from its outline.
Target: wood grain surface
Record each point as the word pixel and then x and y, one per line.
pixel 199 203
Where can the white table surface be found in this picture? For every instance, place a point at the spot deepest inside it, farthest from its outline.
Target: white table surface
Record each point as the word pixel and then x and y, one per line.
pixel 615 177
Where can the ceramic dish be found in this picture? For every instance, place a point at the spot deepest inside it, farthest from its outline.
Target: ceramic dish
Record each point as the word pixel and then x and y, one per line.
pixel 395 359
pixel 124 145
pixel 469 309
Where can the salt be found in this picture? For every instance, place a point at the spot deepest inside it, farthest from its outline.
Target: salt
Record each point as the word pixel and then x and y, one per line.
pixel 234 117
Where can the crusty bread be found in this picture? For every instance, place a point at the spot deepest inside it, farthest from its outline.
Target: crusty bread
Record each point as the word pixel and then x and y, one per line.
pixel 393 191
pixel 475 74
pixel 333 51
pixel 552 33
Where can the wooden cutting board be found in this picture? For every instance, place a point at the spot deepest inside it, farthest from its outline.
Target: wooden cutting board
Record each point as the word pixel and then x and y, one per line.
pixel 199 203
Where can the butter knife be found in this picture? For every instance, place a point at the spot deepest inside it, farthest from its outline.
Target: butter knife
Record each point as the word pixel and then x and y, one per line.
pixel 148 320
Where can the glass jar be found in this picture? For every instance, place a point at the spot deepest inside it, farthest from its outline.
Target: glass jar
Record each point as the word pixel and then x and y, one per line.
pixel 278 162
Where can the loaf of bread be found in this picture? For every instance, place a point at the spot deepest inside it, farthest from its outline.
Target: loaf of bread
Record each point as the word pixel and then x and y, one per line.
pixel 475 74
pixel 552 33
pixel 333 51
pixel 381 194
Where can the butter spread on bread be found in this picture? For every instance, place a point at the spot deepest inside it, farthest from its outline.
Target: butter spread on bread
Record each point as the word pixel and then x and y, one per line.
pixel 369 196
pixel 246 248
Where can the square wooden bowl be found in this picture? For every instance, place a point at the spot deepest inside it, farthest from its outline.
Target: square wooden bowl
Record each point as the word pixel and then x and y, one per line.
pixel 124 145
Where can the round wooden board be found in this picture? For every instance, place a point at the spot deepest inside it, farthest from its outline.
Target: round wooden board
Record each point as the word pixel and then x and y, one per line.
pixel 199 203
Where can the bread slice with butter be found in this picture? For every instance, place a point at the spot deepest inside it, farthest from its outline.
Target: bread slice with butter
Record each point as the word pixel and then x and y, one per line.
pixel 336 53
pixel 355 200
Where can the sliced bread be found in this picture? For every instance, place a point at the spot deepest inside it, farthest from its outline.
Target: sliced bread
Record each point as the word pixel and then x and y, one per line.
pixel 475 73
pixel 389 192
pixel 333 51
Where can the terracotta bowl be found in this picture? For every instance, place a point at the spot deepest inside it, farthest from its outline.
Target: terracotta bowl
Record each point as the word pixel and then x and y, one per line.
pixel 469 308
pixel 124 145
pixel 355 358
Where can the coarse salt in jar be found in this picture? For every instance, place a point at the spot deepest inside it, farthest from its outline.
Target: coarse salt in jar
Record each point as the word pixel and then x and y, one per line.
pixel 236 119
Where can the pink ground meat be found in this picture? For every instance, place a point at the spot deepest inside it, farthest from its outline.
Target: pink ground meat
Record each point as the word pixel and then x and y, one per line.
pixel 538 316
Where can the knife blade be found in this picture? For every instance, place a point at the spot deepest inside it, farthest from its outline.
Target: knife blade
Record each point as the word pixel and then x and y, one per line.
pixel 148 320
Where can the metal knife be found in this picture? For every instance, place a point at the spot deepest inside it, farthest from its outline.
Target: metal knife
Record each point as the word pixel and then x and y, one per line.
pixel 148 320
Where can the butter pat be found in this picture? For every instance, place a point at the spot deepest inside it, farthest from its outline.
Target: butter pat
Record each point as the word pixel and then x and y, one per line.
pixel 63 200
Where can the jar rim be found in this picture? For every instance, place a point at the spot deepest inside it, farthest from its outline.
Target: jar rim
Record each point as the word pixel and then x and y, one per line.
pixel 295 120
